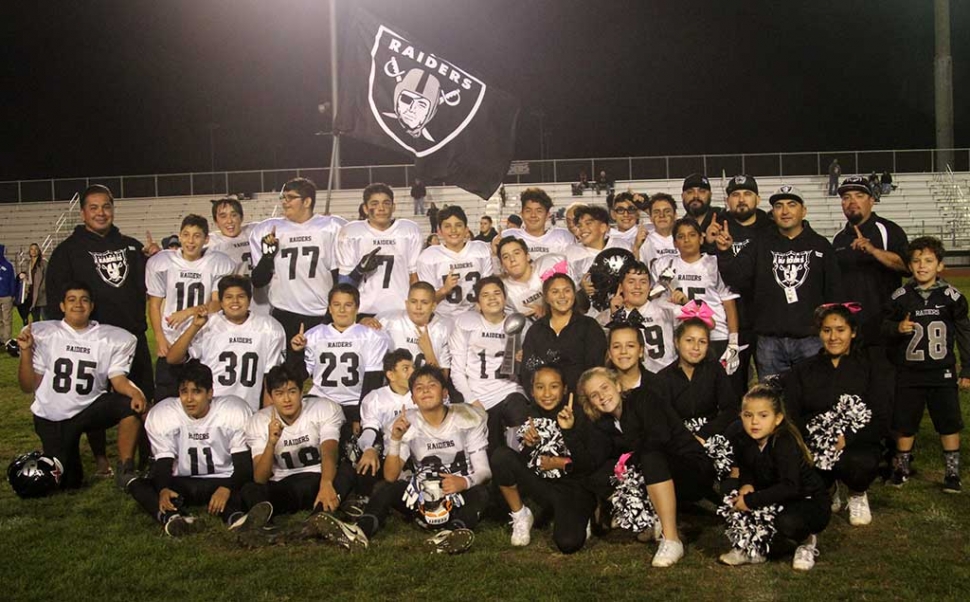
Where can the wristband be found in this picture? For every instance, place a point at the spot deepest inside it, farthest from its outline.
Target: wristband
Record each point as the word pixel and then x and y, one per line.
pixel 394 448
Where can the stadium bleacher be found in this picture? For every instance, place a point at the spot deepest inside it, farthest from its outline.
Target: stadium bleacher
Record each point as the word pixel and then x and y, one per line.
pixel 921 204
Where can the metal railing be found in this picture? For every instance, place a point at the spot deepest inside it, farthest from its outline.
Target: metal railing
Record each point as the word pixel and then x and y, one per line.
pixel 533 171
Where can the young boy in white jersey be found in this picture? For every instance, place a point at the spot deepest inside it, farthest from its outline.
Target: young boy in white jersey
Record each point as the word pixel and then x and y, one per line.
pixel 436 467
pixel 67 365
pixel 523 275
pixel 659 244
pixel 381 406
pixel 536 206
pixel 418 328
pixel 625 212
pixel 455 265
pixel 391 246
pixel 697 279
pixel 238 345
pixel 655 318
pixel 477 350
pixel 592 229
pixel 201 457
pixel 295 256
pixel 344 358
pixel 232 238
pixel 294 444
pixel 179 281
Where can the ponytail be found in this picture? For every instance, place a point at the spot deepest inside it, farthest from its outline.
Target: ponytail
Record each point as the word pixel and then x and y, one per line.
pixel 773 395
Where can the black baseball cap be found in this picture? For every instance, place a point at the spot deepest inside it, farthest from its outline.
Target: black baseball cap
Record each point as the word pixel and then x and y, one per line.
pixel 786 191
pixel 742 182
pixel 696 180
pixel 171 241
pixel 855 183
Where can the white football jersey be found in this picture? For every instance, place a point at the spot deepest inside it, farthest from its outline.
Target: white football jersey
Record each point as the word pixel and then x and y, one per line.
pixel 451 444
pixel 298 449
pixel 701 281
pixel 477 349
pixel 580 257
pixel 238 250
pixel 240 354
pixel 337 361
pixel 380 408
pixel 76 365
pixel 520 295
pixel 472 263
pixel 630 235
pixel 658 247
pixel 386 288
pixel 553 240
pixel 404 335
pixel 183 283
pixel 307 253
pixel 200 447
pixel 659 320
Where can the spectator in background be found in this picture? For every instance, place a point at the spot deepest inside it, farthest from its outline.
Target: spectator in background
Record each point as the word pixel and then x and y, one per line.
pixel 8 290
pixel 835 170
pixel 486 231
pixel 583 179
pixel 172 242
pixel 887 182
pixel 603 182
pixel 35 274
pixel 875 186
pixel 431 241
pixel 513 221
pixel 432 214
pixel 418 192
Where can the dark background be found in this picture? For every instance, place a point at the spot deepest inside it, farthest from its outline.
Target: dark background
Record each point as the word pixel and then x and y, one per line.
pixel 112 87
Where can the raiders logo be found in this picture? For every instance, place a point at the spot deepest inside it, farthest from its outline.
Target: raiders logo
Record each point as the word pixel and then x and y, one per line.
pixel 791 268
pixel 112 266
pixel 740 180
pixel 421 101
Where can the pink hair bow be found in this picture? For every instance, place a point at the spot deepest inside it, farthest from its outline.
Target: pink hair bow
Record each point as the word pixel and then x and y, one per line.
pixel 559 268
pixel 854 307
pixel 700 310
pixel 620 469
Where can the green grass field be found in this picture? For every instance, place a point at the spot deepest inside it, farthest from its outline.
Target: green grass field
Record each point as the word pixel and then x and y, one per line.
pixel 97 544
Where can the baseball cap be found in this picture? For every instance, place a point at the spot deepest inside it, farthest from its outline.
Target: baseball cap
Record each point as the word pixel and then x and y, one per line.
pixel 786 191
pixel 696 180
pixel 171 241
pixel 855 183
pixel 742 182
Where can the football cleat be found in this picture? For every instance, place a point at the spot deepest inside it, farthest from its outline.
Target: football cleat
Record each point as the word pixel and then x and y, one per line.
pixel 328 527
pixel 179 525
pixel 451 542
pixel 256 518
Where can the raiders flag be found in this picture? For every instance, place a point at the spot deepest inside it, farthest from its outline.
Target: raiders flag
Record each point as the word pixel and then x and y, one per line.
pixel 396 93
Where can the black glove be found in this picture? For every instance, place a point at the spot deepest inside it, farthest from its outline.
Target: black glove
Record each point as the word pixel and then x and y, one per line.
pixel 368 263
pixel 270 248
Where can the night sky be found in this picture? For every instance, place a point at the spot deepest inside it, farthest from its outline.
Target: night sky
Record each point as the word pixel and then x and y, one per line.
pixel 106 88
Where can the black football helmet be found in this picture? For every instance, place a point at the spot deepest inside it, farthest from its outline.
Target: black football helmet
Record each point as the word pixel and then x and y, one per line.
pixel 35 475
pixel 605 274
pixel 13 349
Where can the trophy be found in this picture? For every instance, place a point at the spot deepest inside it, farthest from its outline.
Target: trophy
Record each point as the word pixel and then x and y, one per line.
pixel 514 324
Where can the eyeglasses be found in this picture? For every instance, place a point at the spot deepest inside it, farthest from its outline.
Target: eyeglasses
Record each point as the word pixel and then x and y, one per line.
pixel 290 197
pixel 629 210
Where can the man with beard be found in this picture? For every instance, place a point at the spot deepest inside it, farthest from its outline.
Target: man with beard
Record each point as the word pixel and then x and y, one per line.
pixel 870 250
pixel 696 197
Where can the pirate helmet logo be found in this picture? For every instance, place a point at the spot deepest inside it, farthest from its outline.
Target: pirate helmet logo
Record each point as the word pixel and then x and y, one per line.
pixel 421 101
pixel 740 180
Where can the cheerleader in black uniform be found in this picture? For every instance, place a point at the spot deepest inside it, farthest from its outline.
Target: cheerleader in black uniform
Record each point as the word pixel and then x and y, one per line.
pixel 624 352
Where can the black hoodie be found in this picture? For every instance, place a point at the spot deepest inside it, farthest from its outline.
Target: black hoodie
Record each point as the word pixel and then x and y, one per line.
pixel 806 265
pixel 112 265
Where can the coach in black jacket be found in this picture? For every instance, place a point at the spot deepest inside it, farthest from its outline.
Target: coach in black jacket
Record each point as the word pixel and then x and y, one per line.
pixel 791 270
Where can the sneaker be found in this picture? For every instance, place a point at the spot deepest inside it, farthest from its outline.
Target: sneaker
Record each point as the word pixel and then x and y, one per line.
pixel 669 552
pixel 256 518
pixel 899 477
pixel 837 503
pixel 951 484
pixel 805 555
pixel 327 526
pixel 125 474
pixel 453 541
pixel 178 525
pixel 859 514
pixel 353 508
pixel 738 557
pixel 654 533
pixel 521 526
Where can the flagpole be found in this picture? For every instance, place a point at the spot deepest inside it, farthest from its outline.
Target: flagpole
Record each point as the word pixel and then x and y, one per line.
pixel 333 163
pixel 334 49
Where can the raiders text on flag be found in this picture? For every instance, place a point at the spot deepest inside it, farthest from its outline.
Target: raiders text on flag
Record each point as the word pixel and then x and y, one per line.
pixel 396 93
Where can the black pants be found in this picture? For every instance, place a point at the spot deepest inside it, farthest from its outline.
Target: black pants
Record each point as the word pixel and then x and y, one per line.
pixel 62 438
pixel 392 496
pixel 291 325
pixel 693 477
pixel 193 491
pixel 511 412
pixel 572 505
pixel 294 493
pixel 143 375
pixel 857 467
pixel 166 379
pixel 801 518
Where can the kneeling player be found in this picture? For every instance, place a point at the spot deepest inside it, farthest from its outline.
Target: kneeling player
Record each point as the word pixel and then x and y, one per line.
pixel 67 365
pixel 294 446
pixel 445 449
pixel 199 444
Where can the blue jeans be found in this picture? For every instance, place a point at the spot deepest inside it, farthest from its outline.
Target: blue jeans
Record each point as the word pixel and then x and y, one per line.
pixel 777 355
